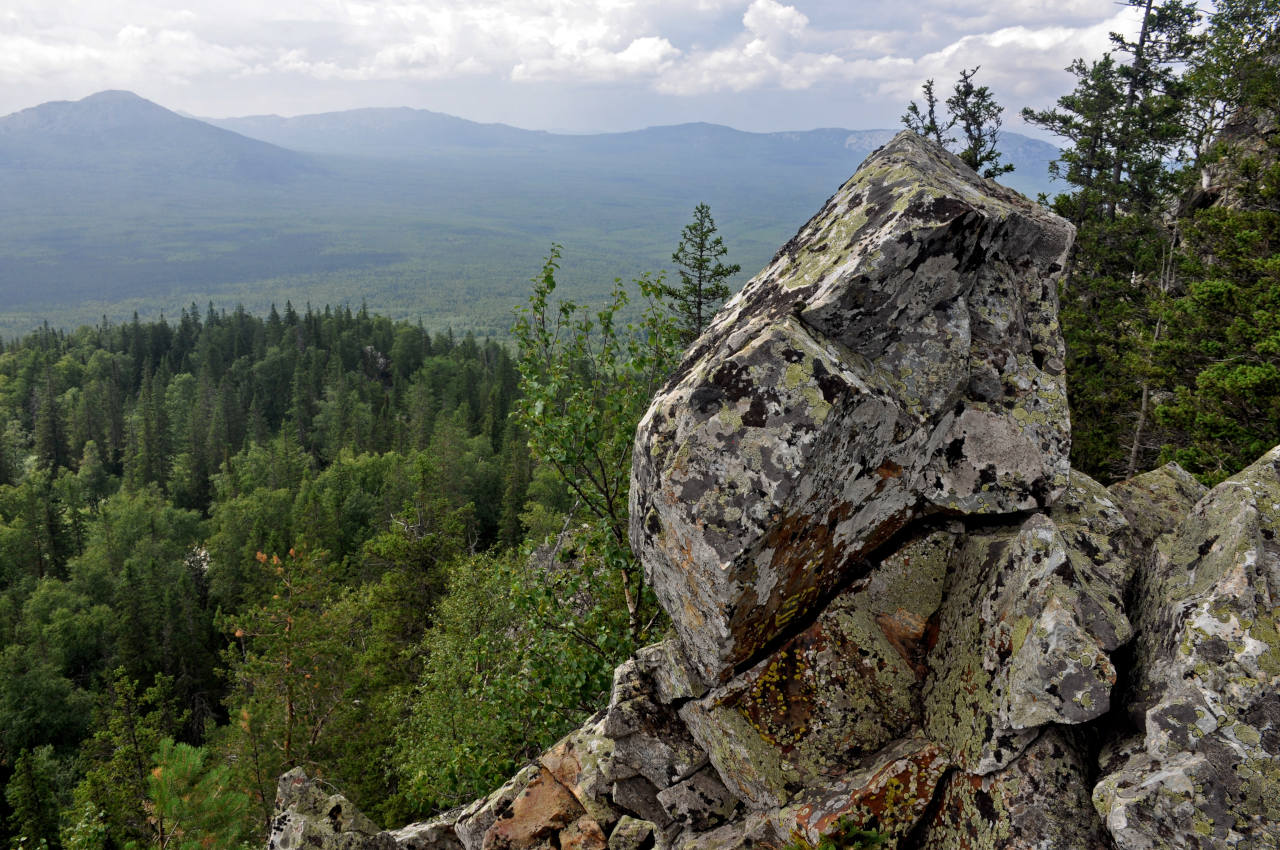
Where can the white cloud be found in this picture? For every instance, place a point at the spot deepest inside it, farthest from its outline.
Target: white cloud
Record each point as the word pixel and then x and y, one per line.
pixel 771 19
pixel 687 49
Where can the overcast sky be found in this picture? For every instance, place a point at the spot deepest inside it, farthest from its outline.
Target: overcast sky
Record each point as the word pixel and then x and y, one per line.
pixel 578 65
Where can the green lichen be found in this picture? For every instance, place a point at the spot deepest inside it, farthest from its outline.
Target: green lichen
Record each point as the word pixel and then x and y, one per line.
pixel 1264 630
pixel 1021 626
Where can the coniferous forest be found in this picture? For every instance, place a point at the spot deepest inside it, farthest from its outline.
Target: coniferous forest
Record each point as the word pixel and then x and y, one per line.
pixel 233 544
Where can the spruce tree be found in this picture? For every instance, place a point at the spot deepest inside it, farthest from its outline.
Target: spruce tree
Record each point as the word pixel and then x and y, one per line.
pixel 703 277
pixel 1123 123
pixel 924 120
pixel 32 799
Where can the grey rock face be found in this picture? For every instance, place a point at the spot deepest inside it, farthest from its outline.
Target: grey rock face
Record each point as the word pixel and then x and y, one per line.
pixel 699 802
pixel 900 356
pixel 649 738
pixel 1032 613
pixel 1156 503
pixel 307 817
pixel 1204 772
pixel 1039 802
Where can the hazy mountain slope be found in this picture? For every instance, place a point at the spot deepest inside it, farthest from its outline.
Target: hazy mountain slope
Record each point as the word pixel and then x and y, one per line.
pixel 118 132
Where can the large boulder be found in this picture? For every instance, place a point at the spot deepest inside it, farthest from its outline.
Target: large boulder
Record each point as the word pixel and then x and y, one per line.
pixel 900 356
pixel 310 818
pixel 899 618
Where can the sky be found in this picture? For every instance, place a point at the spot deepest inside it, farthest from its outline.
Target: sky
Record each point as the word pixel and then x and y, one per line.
pixel 565 65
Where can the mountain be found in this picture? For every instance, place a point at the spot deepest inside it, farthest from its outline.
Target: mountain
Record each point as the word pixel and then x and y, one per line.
pixel 403 133
pixel 395 132
pixel 113 204
pixel 115 132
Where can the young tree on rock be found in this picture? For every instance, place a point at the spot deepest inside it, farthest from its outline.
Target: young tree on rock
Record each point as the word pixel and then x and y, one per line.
pixel 585 381
pixel 924 121
pixel 702 275
pixel 975 111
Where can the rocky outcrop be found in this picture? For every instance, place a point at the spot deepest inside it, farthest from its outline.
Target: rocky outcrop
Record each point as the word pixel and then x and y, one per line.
pixel 899 619
pixel 899 357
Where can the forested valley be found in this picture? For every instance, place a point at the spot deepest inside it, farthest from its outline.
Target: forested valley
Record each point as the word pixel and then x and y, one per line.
pixel 231 545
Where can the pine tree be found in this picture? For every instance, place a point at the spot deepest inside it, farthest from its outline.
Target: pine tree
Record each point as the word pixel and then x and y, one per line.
pixel 703 277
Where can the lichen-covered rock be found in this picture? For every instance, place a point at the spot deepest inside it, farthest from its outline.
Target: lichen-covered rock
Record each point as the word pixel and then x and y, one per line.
pixel 1039 802
pixel 901 355
pixel 437 834
pixel 756 831
pixel 1156 502
pixel 583 763
pixel 649 738
pixel 844 687
pixel 1204 772
pixel 699 802
pixel 634 834
pixel 673 677
pixel 637 795
pixel 543 815
pixel 1031 616
pixel 307 817
pixel 888 794
pixel 475 820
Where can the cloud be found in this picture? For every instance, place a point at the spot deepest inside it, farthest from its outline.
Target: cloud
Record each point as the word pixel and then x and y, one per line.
pixel 881 50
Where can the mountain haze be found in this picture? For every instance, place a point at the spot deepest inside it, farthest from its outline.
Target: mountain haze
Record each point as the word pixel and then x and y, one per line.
pixel 113 204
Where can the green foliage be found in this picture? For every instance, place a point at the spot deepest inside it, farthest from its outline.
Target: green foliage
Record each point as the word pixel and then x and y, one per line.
pixel 192 803
pixel 845 834
pixel 200 444
pixel 975 111
pixel 1122 123
pixel 287 665
pixel 113 798
pixel 924 121
pixel 1223 347
pixel 703 277
pixel 520 652
pixel 32 797
pixel 585 381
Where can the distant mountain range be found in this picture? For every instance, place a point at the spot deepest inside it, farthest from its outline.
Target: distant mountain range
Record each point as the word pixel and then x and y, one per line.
pixel 113 203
